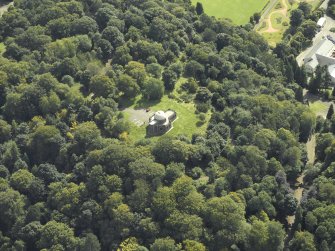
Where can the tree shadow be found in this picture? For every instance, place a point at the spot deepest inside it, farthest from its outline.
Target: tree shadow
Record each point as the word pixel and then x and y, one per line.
pixel 144 103
pixel 126 103
pixel 200 123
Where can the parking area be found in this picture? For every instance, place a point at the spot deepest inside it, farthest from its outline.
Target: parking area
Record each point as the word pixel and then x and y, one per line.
pixel 139 117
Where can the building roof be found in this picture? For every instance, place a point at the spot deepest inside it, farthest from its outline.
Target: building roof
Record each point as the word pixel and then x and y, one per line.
pixel 320 52
pixel 321 21
pixel 331 70
pixel 160 116
pixel 322 48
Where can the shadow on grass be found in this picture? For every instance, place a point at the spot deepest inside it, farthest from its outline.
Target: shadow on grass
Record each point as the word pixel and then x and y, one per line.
pixel 200 123
pixel 144 103
pixel 126 103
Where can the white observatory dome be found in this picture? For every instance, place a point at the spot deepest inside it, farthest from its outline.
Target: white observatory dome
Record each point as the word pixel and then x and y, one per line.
pixel 160 116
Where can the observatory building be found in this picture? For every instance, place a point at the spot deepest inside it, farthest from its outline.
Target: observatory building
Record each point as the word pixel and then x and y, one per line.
pixel 161 122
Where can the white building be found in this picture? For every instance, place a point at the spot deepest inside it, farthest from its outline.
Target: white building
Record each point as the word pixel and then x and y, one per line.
pixel 322 54
pixel 321 23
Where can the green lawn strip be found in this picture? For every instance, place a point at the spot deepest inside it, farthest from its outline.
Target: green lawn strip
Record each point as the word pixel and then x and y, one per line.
pixel 187 122
pixel 239 11
pixel 318 107
pixel 2 48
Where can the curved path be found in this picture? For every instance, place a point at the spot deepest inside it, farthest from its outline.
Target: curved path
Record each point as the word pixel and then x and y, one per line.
pixel 282 11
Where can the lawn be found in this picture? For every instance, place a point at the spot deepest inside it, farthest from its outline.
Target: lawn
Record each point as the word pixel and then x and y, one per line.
pixel 319 108
pixel 187 122
pixel 239 11
pixel 277 20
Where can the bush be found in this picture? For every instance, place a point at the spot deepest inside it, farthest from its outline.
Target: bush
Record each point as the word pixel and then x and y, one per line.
pixel 202 117
pixel 332 29
pixel 202 107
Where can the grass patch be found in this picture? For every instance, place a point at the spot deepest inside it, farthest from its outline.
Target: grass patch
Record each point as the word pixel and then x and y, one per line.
pixel 239 11
pixel 2 48
pixel 319 107
pixel 277 20
pixel 187 122
pixel 273 38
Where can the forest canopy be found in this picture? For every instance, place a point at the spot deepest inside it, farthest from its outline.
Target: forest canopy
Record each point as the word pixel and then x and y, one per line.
pixel 70 178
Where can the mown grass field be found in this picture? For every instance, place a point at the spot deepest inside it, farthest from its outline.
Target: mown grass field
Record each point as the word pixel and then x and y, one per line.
pixel 239 11
pixel 187 122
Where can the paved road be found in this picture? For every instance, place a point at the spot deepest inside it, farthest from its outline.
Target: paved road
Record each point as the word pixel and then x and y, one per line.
pixel 330 23
pixel 266 12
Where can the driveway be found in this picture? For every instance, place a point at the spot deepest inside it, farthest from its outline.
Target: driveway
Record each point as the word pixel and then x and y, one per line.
pixel 330 23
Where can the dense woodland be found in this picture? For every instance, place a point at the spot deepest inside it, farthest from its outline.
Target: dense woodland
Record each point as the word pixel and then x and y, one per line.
pixel 70 179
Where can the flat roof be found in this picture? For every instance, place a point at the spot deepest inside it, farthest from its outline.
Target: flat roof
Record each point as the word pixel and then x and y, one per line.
pixel 321 21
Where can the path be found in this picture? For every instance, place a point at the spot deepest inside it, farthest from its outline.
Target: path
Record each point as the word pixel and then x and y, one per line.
pixel 282 11
pixel 5 7
pixel 310 145
pixel 268 8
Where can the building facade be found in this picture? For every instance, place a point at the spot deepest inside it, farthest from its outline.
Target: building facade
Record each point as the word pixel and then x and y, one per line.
pixel 161 122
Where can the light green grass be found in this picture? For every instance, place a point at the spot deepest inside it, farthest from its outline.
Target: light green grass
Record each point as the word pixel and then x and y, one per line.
pixel 319 107
pixel 187 122
pixel 2 48
pixel 239 11
pixel 273 38
pixel 277 20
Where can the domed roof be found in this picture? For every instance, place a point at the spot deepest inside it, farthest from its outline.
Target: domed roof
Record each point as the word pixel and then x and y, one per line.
pixel 160 116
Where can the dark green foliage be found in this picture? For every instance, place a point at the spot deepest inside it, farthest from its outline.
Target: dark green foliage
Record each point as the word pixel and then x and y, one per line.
pixel 330 111
pixel 71 178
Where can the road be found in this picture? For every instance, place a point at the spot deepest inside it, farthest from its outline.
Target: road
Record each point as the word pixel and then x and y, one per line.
pixel 330 23
pixel 266 12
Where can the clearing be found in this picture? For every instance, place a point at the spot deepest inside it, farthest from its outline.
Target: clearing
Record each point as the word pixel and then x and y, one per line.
pixel 239 11
pixel 187 122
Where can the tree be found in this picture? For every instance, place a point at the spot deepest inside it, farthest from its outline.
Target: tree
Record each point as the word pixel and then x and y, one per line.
pixel 89 243
pixel 169 79
pixel 103 86
pixel 12 205
pixel 330 111
pixel 166 244
pixel 45 143
pixel 128 86
pixel 199 9
pixel 57 234
pixel 257 17
pixel 153 89
pixel 302 241
pixel 307 125
pixel 297 16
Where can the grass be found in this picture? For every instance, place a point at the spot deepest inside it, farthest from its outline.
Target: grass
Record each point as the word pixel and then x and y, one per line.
pixel 319 107
pixel 277 20
pixel 239 11
pixel 2 48
pixel 273 38
pixel 187 122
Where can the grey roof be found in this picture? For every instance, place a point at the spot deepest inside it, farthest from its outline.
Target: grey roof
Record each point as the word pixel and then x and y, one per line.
pixel 323 48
